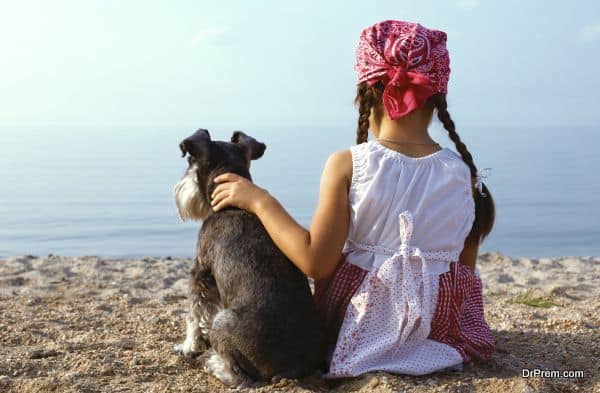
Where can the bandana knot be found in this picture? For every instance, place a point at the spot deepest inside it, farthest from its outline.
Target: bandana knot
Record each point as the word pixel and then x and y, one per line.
pixel 404 90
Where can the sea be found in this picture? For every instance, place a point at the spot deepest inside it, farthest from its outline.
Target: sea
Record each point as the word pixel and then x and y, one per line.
pixel 108 191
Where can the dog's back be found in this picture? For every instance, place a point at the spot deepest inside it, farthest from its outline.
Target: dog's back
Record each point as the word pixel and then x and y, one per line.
pixel 270 313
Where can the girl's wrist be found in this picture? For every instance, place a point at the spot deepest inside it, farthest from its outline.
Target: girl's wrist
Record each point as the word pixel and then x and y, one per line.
pixel 260 203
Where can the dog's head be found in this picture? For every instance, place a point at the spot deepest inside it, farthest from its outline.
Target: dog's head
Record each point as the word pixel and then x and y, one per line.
pixel 208 159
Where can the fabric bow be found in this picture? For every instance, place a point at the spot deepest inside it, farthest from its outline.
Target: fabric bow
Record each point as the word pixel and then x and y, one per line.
pixel 389 270
pixel 404 91
pixel 484 173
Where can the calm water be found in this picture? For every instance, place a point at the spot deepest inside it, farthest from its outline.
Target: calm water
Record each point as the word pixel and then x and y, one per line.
pixel 107 192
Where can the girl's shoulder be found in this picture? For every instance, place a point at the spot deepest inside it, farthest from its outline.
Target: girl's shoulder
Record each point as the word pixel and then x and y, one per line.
pixel 460 166
pixel 339 165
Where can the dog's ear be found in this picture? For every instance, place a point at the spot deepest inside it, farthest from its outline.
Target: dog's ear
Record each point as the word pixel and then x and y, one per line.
pixel 254 148
pixel 196 145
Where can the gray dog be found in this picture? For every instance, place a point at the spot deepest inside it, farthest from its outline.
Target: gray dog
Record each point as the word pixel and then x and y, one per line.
pixel 251 313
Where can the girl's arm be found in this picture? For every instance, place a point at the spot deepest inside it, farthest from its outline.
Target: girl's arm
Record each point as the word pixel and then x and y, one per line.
pixel 317 251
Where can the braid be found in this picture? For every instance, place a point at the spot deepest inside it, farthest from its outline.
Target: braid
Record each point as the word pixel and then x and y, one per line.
pixel 448 123
pixel 484 206
pixel 365 99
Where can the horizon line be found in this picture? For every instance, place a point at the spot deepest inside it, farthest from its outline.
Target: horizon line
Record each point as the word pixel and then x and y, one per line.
pixel 270 126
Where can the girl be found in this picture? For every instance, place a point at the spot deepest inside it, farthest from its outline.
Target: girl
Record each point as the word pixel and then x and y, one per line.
pixel 393 242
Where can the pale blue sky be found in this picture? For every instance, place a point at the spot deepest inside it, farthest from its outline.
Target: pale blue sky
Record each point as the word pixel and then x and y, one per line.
pixel 275 63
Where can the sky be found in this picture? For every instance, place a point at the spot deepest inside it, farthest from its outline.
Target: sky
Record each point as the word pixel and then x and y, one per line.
pixel 275 63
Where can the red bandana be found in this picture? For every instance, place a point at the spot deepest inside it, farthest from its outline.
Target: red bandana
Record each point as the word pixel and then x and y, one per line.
pixel 411 61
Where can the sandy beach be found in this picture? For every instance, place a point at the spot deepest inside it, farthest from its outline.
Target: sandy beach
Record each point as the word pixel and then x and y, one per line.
pixel 88 324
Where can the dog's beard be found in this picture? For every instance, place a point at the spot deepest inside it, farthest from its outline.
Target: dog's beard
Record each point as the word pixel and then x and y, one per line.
pixel 191 205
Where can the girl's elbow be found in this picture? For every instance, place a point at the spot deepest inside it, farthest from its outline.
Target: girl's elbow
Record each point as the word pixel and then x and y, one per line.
pixel 312 272
pixel 317 270
pixel 315 274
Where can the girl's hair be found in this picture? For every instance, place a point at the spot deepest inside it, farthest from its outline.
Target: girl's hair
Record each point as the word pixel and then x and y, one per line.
pixel 368 97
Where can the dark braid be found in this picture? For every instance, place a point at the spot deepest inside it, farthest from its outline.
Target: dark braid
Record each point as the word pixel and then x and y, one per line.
pixel 444 116
pixel 484 206
pixel 365 100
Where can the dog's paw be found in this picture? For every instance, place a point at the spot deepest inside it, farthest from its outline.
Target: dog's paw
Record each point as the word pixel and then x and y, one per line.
pixel 178 348
pixel 189 348
pixel 234 378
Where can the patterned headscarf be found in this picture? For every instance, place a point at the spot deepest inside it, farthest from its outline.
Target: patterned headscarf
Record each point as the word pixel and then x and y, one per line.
pixel 411 61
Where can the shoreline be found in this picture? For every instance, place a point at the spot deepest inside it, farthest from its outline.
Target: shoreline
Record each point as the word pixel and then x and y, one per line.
pixel 103 324
pixel 481 255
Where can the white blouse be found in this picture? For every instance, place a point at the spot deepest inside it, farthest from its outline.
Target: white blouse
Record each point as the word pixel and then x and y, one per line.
pixel 436 190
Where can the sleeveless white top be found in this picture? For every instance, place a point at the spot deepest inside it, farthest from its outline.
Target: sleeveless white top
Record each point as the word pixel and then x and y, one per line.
pixel 436 190
pixel 409 218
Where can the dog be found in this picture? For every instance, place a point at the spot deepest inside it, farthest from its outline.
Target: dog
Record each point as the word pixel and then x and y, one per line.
pixel 251 313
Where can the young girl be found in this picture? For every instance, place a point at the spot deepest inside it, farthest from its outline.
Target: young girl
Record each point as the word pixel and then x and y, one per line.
pixel 393 242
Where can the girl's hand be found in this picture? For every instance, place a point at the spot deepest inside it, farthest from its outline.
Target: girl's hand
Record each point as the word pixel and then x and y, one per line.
pixel 235 190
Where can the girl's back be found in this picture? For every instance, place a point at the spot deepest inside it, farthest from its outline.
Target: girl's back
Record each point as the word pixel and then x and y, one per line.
pixel 435 190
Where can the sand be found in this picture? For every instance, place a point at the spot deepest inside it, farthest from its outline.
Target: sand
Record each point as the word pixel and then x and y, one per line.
pixel 88 324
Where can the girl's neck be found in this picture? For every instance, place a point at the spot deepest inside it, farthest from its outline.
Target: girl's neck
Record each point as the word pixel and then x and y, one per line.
pixel 410 132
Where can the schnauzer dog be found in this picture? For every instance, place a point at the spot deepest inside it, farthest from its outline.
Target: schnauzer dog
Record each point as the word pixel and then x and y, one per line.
pixel 251 313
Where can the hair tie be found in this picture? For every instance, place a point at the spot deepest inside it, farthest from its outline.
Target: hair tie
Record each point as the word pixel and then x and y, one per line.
pixel 480 175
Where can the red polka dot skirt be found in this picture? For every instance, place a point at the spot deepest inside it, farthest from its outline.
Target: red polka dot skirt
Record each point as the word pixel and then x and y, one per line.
pixel 458 319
